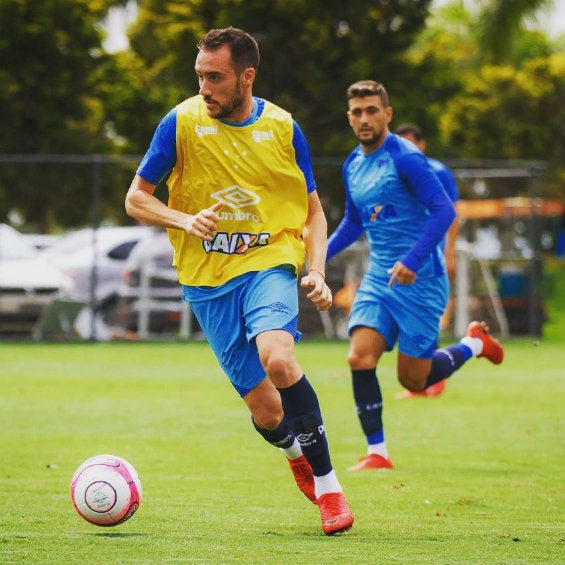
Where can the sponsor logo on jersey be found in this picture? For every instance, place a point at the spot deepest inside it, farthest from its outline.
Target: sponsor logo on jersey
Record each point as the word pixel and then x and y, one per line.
pixel 201 131
pixel 375 213
pixel 259 136
pixel 235 243
pixel 236 197
pixel 238 216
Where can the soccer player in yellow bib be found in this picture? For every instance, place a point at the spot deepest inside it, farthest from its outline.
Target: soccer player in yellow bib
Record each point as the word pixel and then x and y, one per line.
pixel 243 215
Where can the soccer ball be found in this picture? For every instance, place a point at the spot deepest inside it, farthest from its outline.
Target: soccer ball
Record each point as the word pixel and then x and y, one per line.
pixel 106 490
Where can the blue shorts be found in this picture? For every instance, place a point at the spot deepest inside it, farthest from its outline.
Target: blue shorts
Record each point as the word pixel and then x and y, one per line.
pixel 265 300
pixel 407 314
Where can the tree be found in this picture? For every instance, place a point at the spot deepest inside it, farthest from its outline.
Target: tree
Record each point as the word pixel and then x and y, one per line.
pixel 509 113
pixel 50 100
pixel 501 22
pixel 311 51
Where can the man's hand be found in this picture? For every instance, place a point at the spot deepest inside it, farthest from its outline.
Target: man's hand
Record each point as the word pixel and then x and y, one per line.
pixel 321 295
pixel 204 224
pixel 401 275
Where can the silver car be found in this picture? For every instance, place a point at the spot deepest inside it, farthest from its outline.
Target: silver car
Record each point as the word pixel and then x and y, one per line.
pixel 28 283
pixel 94 260
pixel 150 294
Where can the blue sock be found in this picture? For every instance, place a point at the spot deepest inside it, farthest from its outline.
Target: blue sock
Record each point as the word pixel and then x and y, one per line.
pixel 281 436
pixel 369 404
pixel 302 410
pixel 446 361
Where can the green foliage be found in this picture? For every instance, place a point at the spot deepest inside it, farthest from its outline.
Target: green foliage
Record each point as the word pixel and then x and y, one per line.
pixel 311 51
pixel 554 296
pixel 501 23
pixel 50 102
pixel 60 92
pixel 493 117
pixel 472 110
pixel 477 475
pixel 49 51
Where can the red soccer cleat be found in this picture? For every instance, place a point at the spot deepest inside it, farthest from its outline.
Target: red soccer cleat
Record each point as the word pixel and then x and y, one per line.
pixel 303 476
pixel 492 349
pixel 371 461
pixel 335 513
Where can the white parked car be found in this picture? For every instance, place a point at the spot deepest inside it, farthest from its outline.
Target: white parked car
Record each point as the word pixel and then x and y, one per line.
pixel 95 259
pixel 150 287
pixel 28 283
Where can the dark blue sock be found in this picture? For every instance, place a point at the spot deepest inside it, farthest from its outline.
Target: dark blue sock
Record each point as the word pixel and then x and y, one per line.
pixel 369 404
pixel 446 361
pixel 281 436
pixel 302 410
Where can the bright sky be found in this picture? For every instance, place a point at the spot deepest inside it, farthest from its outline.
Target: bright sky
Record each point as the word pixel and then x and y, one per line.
pixel 116 24
pixel 551 20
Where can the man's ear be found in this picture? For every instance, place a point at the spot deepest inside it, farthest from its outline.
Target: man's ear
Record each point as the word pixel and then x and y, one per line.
pixel 248 76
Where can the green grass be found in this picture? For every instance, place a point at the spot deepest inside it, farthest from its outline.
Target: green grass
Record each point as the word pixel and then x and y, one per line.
pixel 479 472
pixel 553 291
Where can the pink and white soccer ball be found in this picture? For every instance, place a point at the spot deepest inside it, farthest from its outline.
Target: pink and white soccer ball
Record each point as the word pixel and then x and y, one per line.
pixel 106 490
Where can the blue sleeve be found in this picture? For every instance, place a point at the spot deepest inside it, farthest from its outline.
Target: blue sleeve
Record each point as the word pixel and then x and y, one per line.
pixel 446 178
pixel 160 158
pixel 421 179
pixel 349 229
pixel 303 159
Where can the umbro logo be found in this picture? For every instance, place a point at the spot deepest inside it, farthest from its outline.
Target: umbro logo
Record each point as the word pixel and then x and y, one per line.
pixel 305 439
pixel 236 197
pixel 278 307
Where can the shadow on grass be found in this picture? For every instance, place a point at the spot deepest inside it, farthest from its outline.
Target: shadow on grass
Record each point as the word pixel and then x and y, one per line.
pixel 117 535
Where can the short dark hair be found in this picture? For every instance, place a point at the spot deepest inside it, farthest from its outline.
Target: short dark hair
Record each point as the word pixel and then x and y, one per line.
pixel 363 88
pixel 408 128
pixel 244 49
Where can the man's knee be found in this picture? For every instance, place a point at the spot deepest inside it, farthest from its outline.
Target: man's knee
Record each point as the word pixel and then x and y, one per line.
pixel 413 372
pixel 413 384
pixel 358 359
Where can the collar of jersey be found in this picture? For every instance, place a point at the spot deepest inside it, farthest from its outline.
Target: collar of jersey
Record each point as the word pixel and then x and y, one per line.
pixel 255 115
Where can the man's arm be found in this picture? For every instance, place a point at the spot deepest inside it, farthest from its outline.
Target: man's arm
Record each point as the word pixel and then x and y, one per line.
pixel 142 205
pixel 315 236
pixel 450 243
pixel 419 176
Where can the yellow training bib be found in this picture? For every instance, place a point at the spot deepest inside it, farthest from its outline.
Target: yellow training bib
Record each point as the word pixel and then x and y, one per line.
pixel 252 170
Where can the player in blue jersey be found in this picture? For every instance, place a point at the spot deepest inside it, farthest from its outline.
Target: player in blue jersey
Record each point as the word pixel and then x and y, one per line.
pixel 395 198
pixel 243 214
pixel 415 134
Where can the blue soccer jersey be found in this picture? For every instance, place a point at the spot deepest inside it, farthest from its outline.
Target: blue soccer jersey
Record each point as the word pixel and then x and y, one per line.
pixel 446 178
pixel 393 195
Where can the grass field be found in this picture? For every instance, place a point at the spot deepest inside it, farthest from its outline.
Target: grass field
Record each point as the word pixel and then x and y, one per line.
pixel 479 473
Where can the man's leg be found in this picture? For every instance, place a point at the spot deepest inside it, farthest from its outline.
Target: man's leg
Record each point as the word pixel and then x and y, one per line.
pixel 366 348
pixel 419 374
pixel 302 411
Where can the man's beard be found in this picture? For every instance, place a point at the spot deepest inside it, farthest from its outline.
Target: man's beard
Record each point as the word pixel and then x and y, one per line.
pixel 369 142
pixel 226 110
pixel 375 139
